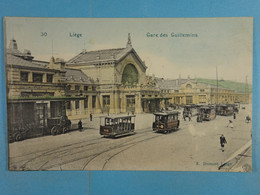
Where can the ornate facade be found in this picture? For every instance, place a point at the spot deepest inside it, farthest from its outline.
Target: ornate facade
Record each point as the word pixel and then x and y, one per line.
pixel 121 80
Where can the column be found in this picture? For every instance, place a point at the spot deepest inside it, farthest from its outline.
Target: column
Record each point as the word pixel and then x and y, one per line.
pixel 44 78
pixel 30 77
pixel 90 109
pixel 112 102
pixel 123 102
pixel 138 104
pixel 81 107
pixel 72 106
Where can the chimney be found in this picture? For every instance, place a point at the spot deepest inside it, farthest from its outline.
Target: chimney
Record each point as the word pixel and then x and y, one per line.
pixel 57 63
pixel 13 44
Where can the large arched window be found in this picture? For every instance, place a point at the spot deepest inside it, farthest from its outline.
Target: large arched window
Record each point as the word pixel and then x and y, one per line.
pixel 189 86
pixel 130 75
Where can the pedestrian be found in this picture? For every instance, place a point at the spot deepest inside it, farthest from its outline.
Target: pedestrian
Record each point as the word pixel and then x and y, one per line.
pixel 189 117
pixel 90 116
pixel 80 125
pixel 234 116
pixel 199 118
pixel 223 141
pixel 248 119
pixel 230 124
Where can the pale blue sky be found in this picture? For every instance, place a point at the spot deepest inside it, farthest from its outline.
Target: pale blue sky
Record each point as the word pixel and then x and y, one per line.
pixel 222 42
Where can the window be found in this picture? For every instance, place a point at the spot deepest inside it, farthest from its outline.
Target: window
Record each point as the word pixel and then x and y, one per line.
pixel 37 78
pixel 77 104
pixel 130 75
pixel 24 76
pixel 68 105
pixel 93 101
pixel 49 78
pixel 77 87
pixel 86 102
pixel 202 99
pixel 85 88
pixel 130 101
pixel 106 100
pixel 188 99
pixel 202 90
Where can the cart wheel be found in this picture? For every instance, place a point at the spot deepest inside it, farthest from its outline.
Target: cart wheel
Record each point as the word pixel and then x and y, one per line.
pixel 18 137
pixel 64 130
pixel 54 131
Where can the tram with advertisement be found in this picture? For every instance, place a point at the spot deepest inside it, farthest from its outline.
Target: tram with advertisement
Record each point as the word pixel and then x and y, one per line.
pixel 166 121
pixel 112 126
pixel 206 113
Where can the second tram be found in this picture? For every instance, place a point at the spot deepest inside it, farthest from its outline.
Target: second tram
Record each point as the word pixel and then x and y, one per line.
pixel 206 113
pixel 166 121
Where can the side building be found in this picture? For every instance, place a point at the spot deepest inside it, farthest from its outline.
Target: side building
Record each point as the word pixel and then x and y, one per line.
pixel 38 90
pixel 189 91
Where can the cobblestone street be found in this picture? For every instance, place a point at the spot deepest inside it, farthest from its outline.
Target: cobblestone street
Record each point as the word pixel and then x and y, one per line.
pixel 194 147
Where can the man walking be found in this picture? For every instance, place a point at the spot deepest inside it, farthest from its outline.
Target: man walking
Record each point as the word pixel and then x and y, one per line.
pixel 223 141
pixel 90 116
pixel 80 125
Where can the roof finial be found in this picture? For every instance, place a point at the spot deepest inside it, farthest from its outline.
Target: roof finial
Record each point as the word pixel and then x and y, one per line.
pixel 129 44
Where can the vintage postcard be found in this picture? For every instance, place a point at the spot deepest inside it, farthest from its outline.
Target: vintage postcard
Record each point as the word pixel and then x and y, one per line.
pixel 167 94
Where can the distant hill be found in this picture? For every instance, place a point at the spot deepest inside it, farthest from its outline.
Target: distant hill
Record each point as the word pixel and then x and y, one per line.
pixel 239 87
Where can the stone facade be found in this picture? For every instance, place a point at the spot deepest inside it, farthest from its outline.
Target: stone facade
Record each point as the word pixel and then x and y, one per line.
pixel 38 90
pixel 120 77
pixel 189 91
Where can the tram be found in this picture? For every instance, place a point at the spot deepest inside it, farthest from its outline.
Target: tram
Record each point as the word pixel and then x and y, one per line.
pixel 189 111
pixel 206 113
pixel 117 125
pixel 166 121
pixel 225 109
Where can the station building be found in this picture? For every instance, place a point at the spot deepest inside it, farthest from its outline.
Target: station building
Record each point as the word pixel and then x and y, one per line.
pixel 120 77
pixel 190 91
